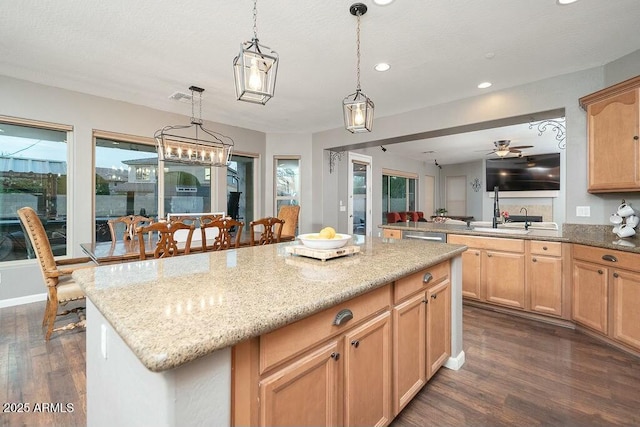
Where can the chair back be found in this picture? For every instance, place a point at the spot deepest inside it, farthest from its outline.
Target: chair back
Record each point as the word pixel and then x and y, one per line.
pixel 270 228
pixel 167 245
pixel 289 213
pixel 221 229
pixel 131 223
pixel 40 243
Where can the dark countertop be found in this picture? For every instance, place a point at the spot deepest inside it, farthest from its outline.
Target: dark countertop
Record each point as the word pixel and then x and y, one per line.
pixel 585 234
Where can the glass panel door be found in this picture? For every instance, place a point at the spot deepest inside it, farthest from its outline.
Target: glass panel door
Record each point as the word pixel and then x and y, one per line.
pixel 360 194
pixel 240 189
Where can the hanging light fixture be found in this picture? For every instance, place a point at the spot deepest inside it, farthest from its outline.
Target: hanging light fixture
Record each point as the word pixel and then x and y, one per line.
pixel 255 69
pixel 206 148
pixel 358 108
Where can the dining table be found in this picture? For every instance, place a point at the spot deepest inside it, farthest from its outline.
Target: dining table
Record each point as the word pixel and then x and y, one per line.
pixel 129 250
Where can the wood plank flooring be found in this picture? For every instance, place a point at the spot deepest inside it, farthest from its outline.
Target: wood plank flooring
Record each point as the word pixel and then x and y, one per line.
pixel 517 372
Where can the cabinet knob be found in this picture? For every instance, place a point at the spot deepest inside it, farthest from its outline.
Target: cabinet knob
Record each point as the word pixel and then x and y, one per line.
pixel 355 343
pixel 534 260
pixel 425 301
pixel 335 356
pixel 600 272
pixel 434 296
pixel 544 248
pixel 489 255
pixel 477 253
pixel 635 138
pixel 616 275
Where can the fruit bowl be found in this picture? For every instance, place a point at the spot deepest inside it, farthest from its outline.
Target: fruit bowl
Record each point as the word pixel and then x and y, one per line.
pixel 314 241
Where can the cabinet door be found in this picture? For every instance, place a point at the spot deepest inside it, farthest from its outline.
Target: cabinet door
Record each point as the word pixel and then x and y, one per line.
pixel 626 311
pixel 504 278
pixel 438 326
pixel 409 350
pixel 367 393
pixel 471 273
pixel 545 284
pixel 590 295
pixel 304 392
pixel 614 151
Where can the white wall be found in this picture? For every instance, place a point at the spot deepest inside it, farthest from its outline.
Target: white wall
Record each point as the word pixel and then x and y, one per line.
pixel 85 113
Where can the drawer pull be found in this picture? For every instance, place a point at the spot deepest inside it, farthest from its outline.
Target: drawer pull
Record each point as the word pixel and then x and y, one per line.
pixel 544 248
pixel 355 343
pixel 609 258
pixel 600 272
pixel 343 316
pixel 616 275
pixel 335 356
pixel 427 277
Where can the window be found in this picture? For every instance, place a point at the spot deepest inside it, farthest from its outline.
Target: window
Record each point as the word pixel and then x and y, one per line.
pixel 241 187
pixel 398 192
pixel 33 172
pixel 287 181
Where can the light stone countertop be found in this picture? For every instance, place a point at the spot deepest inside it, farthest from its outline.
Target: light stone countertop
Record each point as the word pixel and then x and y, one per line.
pixel 171 311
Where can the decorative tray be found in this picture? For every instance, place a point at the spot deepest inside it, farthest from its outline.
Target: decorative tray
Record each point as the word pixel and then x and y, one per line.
pixel 322 254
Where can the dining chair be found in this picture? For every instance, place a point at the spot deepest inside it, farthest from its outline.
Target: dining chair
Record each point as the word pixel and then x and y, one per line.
pixel 270 229
pixel 167 245
pixel 221 229
pixel 131 223
pixel 61 288
pixel 289 213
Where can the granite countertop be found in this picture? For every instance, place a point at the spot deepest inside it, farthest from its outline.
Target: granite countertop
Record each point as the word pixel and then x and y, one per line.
pixel 171 311
pixel 585 234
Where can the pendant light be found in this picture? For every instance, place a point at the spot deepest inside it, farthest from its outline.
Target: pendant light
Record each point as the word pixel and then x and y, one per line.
pixel 193 144
pixel 358 108
pixel 255 69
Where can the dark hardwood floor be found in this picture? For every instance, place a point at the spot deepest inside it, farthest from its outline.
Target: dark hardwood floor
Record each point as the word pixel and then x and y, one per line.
pixel 517 372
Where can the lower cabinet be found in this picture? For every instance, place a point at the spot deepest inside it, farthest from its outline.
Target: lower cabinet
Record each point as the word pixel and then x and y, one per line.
pixel 606 293
pixel 357 364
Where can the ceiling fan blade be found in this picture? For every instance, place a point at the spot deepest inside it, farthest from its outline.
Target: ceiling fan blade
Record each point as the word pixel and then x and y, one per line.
pixel 523 146
pixel 514 150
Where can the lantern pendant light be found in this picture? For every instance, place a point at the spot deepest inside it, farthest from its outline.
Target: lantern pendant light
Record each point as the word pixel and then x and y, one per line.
pixel 255 69
pixel 358 108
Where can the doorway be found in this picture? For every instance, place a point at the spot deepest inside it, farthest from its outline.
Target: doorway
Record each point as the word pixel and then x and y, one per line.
pixel 359 188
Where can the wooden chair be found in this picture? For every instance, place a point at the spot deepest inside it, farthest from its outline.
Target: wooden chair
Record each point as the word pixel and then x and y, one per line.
pixel 222 228
pixel 271 230
pixel 61 288
pixel 289 213
pixel 131 223
pixel 167 245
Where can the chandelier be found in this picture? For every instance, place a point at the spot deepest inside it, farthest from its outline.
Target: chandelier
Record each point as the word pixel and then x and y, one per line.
pixel 193 143
pixel 255 69
pixel 357 107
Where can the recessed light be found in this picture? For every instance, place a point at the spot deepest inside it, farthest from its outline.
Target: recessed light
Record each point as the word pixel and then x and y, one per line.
pixel 382 2
pixel 564 2
pixel 383 66
pixel 484 85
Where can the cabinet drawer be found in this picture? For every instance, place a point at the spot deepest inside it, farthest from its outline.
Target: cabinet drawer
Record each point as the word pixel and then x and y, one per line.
pixel 624 260
pixel 492 243
pixel 415 282
pixel 293 339
pixel 545 248
pixel 391 234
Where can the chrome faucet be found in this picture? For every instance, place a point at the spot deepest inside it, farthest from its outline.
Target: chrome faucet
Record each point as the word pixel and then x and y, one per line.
pixel 496 208
pixel 526 218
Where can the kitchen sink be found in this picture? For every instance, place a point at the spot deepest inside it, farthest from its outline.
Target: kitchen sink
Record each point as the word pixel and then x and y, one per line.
pixel 501 230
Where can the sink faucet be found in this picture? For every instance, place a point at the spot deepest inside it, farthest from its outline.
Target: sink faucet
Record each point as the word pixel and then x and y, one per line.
pixel 496 208
pixel 526 218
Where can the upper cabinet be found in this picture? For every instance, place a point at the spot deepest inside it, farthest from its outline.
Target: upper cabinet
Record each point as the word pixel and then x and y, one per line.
pixel 613 122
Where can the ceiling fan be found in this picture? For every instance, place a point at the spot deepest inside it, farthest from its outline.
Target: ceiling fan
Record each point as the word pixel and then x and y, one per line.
pixel 503 150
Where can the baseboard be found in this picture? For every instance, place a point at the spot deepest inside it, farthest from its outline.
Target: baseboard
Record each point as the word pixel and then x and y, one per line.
pixel 455 363
pixel 11 302
pixel 519 313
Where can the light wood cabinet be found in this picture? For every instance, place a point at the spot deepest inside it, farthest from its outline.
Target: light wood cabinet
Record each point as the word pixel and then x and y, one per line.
pixel 545 277
pixel 390 233
pixel 613 122
pixel 606 293
pixel 367 385
pixel 422 330
pixel 471 273
pixel 503 278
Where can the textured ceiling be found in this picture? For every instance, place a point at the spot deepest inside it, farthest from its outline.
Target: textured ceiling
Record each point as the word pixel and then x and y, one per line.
pixel 143 51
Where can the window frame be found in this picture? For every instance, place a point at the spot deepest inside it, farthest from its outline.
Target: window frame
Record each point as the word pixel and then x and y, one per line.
pixel 276 198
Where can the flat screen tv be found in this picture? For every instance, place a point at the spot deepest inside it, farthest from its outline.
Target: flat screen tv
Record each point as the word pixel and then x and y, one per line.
pixel 526 173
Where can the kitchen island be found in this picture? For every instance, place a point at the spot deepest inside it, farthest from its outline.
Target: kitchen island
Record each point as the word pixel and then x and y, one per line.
pixel 160 332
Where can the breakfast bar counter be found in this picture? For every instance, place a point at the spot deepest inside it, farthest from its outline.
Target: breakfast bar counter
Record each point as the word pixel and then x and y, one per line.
pixel 167 325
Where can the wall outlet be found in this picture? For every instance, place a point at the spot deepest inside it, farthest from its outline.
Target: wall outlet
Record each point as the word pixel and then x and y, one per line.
pixel 343 208
pixel 583 210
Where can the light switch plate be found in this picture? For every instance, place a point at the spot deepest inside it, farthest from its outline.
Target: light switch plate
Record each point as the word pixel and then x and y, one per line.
pixel 583 210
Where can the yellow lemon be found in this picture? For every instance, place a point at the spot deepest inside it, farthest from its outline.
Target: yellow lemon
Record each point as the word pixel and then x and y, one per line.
pixel 327 233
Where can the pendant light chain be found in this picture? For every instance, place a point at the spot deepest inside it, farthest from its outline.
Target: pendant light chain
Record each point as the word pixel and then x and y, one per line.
pixel 358 51
pixel 255 19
